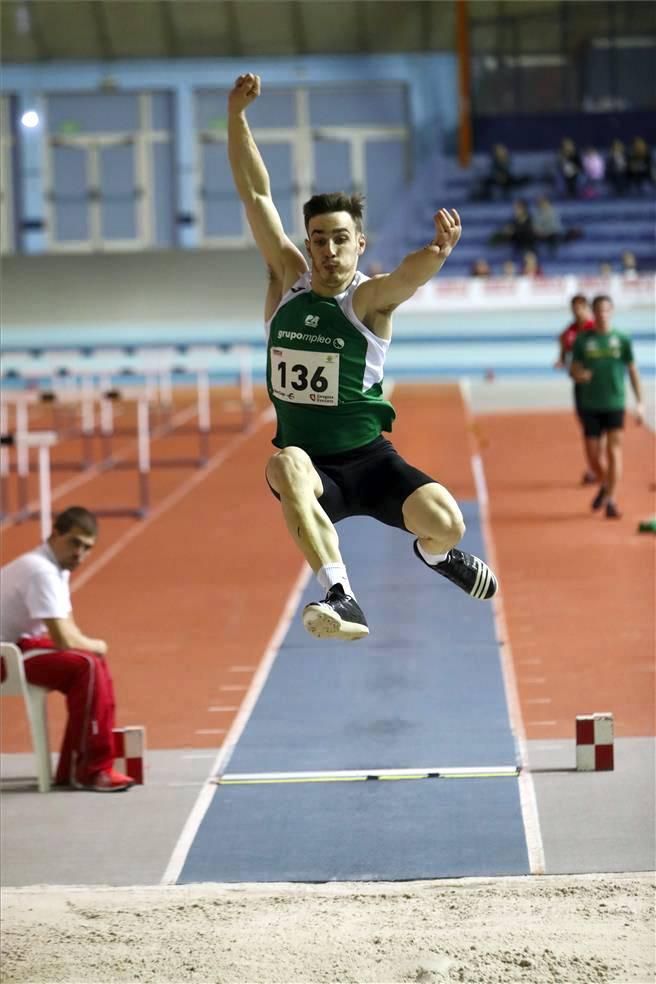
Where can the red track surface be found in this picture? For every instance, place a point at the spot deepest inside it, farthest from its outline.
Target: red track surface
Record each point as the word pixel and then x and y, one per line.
pixel 578 589
pixel 189 598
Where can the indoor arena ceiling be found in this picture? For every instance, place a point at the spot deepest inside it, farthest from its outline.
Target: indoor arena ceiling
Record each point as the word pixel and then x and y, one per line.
pixel 47 30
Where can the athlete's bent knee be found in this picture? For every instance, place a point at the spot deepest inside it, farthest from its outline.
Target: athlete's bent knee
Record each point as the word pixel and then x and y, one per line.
pixel 290 470
pixel 453 523
pixel 432 512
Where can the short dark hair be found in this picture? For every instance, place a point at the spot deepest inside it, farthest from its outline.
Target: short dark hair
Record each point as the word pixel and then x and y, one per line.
pixel 577 298
pixel 335 201
pixel 76 517
pixel 599 299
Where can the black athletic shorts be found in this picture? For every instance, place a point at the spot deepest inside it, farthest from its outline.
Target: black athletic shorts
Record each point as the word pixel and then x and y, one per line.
pixel 596 421
pixel 373 480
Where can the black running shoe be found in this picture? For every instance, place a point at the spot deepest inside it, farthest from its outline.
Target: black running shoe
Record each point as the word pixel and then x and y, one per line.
pixel 467 572
pixel 612 512
pixel 338 616
pixel 599 499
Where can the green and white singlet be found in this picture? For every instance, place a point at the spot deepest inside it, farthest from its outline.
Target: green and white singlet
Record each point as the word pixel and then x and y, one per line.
pixel 325 372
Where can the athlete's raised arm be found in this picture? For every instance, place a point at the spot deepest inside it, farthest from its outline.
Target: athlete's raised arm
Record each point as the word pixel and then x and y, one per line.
pixel 251 179
pixel 384 293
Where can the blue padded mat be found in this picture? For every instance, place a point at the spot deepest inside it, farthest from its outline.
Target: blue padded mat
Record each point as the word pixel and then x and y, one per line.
pixel 386 831
pixel 425 689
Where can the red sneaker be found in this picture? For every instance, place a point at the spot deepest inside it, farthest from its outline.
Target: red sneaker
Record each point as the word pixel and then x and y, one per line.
pixel 106 781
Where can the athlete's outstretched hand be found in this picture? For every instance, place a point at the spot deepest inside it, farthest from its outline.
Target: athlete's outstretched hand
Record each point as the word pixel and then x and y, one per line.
pixel 244 91
pixel 447 229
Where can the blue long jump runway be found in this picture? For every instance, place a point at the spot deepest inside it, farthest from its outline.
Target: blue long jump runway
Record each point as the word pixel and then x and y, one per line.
pixel 425 690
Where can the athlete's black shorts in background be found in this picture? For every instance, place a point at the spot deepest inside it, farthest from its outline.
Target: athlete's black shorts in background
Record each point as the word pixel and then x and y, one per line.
pixel 373 480
pixel 596 421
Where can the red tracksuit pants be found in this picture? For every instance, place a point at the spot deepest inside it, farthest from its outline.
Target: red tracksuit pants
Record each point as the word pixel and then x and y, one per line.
pixel 86 683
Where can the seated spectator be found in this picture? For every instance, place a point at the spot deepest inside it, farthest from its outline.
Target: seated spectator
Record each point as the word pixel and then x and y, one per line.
pixel 593 172
pixel 629 266
pixel 547 224
pixel 36 614
pixel 569 168
pixel 500 177
pixel 509 270
pixel 616 168
pixel 519 231
pixel 531 265
pixel 605 269
pixel 480 268
pixel 640 171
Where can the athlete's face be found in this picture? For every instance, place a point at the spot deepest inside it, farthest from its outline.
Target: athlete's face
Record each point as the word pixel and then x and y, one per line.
pixel 603 312
pixel 581 311
pixel 70 548
pixel 334 245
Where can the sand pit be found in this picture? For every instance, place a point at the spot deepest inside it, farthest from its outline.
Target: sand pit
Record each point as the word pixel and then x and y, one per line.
pixel 575 930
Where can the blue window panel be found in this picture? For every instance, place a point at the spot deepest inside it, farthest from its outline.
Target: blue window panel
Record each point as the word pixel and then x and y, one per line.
pixel 215 168
pixel 69 172
pixel 332 166
pixel 164 198
pixel 223 216
pixel 380 105
pixel 69 193
pixel 119 220
pixel 119 192
pixel 222 213
pixel 278 160
pixel 212 109
pixel 101 112
pixel 161 111
pixel 385 166
pixel 71 222
pixel 272 108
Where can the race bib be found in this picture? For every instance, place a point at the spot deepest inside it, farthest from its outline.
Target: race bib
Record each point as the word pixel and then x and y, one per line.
pixel 305 377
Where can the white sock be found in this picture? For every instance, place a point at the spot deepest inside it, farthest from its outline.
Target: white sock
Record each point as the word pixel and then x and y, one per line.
pixel 429 557
pixel 334 574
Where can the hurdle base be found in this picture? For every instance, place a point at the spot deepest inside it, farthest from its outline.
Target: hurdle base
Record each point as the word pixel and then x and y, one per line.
pixel 136 512
pixel 159 463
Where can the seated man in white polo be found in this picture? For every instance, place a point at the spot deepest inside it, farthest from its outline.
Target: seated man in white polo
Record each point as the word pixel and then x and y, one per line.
pixel 36 613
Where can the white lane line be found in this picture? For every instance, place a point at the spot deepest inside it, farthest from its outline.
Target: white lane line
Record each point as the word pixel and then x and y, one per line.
pixel 527 798
pixel 241 669
pixel 222 708
pixel 544 724
pixel 234 687
pixel 171 500
pixel 206 795
pixel 210 731
pixel 199 755
pixel 539 700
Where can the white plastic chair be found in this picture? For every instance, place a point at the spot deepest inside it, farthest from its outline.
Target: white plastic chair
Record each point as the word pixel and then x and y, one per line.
pixel 15 684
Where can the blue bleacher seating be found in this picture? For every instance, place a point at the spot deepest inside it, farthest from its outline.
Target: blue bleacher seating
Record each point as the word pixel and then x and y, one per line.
pixel 610 226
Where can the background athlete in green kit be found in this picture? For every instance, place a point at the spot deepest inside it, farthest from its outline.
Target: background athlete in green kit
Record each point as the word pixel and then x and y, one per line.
pixel 600 361
pixel 328 331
